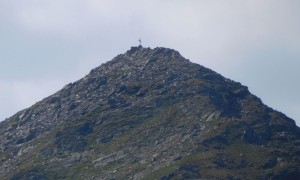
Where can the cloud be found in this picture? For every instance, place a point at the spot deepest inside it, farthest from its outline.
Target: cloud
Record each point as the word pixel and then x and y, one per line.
pixel 70 19
pixel 212 26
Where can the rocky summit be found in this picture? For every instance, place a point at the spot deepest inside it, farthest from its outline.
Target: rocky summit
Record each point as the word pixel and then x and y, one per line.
pixel 150 114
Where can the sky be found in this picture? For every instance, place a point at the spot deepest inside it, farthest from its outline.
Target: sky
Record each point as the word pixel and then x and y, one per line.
pixel 45 44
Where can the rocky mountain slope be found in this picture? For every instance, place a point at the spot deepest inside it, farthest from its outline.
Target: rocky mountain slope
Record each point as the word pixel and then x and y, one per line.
pixel 150 114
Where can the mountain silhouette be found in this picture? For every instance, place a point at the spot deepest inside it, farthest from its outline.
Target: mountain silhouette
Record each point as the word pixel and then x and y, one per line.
pixel 150 114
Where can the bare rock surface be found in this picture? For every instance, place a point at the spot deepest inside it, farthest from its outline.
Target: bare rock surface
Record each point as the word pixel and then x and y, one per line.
pixel 150 114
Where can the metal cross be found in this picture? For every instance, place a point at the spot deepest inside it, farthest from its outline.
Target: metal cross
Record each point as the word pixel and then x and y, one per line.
pixel 140 41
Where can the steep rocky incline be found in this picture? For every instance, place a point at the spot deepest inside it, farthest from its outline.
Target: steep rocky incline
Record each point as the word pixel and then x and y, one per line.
pixel 152 114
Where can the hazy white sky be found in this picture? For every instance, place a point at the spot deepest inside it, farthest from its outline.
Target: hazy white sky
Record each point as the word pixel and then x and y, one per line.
pixel 45 44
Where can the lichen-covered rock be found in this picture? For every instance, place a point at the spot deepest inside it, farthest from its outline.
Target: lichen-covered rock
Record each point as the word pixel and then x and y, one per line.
pixel 150 114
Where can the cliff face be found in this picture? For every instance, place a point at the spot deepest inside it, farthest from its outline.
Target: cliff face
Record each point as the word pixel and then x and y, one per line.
pixel 152 114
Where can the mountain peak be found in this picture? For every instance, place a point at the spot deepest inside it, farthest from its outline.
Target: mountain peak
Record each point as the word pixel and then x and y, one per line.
pixel 140 58
pixel 150 113
pixel 140 53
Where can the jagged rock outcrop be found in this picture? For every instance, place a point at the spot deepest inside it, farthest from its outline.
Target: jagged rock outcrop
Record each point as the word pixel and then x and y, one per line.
pixel 150 114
